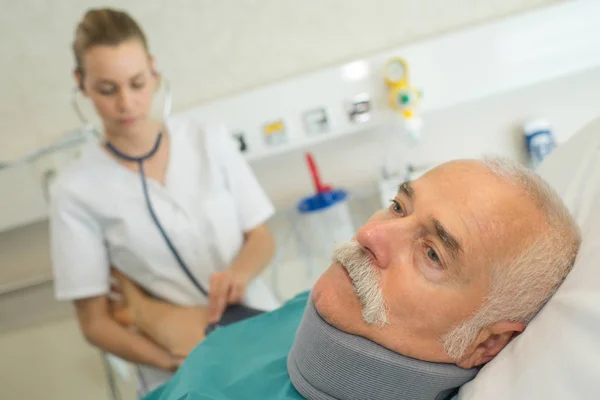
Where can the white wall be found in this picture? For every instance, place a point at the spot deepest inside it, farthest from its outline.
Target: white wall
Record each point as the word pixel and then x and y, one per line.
pixel 36 81
pixel 209 48
pixel 492 125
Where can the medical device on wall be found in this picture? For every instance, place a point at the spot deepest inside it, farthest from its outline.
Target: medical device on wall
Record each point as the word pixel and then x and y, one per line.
pixel 402 132
pixel 316 121
pixel 403 97
pixel 539 141
pixel 388 187
pixel 325 219
pixel 358 108
pixel 274 133
pixel 240 137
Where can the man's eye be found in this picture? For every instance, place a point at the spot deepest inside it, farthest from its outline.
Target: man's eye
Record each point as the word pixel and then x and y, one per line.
pixel 138 85
pixel 396 207
pixel 432 255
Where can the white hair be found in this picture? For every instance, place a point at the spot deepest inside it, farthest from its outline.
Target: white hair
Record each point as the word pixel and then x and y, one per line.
pixel 522 283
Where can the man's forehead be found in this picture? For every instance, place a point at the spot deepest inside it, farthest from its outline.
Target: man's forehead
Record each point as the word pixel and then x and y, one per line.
pixel 459 182
pixel 489 215
pixel 466 199
pixel 457 171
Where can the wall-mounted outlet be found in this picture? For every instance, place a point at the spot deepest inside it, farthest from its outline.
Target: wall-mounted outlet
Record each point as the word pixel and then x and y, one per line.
pixel 316 121
pixel 359 108
pixel 274 133
pixel 242 142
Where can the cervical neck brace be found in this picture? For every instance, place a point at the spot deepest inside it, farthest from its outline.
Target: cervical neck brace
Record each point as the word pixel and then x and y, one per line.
pixel 326 364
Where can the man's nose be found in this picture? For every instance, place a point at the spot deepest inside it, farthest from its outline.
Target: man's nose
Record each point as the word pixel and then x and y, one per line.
pixel 384 238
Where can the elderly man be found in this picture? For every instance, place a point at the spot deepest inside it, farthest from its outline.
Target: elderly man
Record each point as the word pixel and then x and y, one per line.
pixel 427 291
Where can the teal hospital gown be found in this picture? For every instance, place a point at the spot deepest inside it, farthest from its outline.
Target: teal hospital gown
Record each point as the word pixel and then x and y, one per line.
pixel 246 360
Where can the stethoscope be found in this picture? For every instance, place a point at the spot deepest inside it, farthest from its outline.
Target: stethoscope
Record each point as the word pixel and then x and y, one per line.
pixel 140 161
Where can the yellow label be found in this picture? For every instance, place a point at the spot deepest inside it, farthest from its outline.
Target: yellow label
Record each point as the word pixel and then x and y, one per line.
pixel 274 127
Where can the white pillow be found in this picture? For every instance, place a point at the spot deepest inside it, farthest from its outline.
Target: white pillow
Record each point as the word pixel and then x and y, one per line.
pixel 558 355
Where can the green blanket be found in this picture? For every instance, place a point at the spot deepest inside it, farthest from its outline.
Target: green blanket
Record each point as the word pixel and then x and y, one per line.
pixel 246 360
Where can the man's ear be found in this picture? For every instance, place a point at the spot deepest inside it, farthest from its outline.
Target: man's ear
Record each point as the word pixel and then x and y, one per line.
pixel 489 342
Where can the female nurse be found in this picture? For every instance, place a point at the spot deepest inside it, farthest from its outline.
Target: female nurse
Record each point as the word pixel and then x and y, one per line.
pixel 201 190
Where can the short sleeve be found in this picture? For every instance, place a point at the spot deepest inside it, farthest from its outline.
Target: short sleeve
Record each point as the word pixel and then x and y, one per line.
pixel 79 257
pixel 253 204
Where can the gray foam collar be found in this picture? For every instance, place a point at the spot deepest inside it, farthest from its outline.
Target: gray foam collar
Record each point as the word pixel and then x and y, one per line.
pixel 328 364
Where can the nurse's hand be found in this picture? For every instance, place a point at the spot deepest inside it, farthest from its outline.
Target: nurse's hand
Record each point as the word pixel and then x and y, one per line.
pixel 226 287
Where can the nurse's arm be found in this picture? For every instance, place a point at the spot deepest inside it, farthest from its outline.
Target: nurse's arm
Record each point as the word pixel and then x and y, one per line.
pixel 256 252
pixel 229 286
pixel 102 331
pixel 175 328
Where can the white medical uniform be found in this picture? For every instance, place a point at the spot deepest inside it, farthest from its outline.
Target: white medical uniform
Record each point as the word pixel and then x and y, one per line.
pixel 99 218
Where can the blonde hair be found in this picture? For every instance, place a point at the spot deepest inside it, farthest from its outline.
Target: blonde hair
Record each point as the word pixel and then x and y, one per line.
pixel 522 283
pixel 104 26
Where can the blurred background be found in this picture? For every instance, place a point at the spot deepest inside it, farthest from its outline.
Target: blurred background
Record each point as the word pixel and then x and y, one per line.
pixel 487 73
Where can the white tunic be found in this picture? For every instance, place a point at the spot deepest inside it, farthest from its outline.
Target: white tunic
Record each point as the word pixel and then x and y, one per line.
pixel 99 218
pixel 210 198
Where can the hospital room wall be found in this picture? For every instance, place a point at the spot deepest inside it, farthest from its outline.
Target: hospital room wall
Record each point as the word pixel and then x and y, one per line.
pixel 209 49
pixel 488 126
pixel 212 49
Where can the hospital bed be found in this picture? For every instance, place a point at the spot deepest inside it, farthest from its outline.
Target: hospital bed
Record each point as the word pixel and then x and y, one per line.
pixel 556 357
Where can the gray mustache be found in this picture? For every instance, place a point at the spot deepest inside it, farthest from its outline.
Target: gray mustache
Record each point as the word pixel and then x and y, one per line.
pixel 365 281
